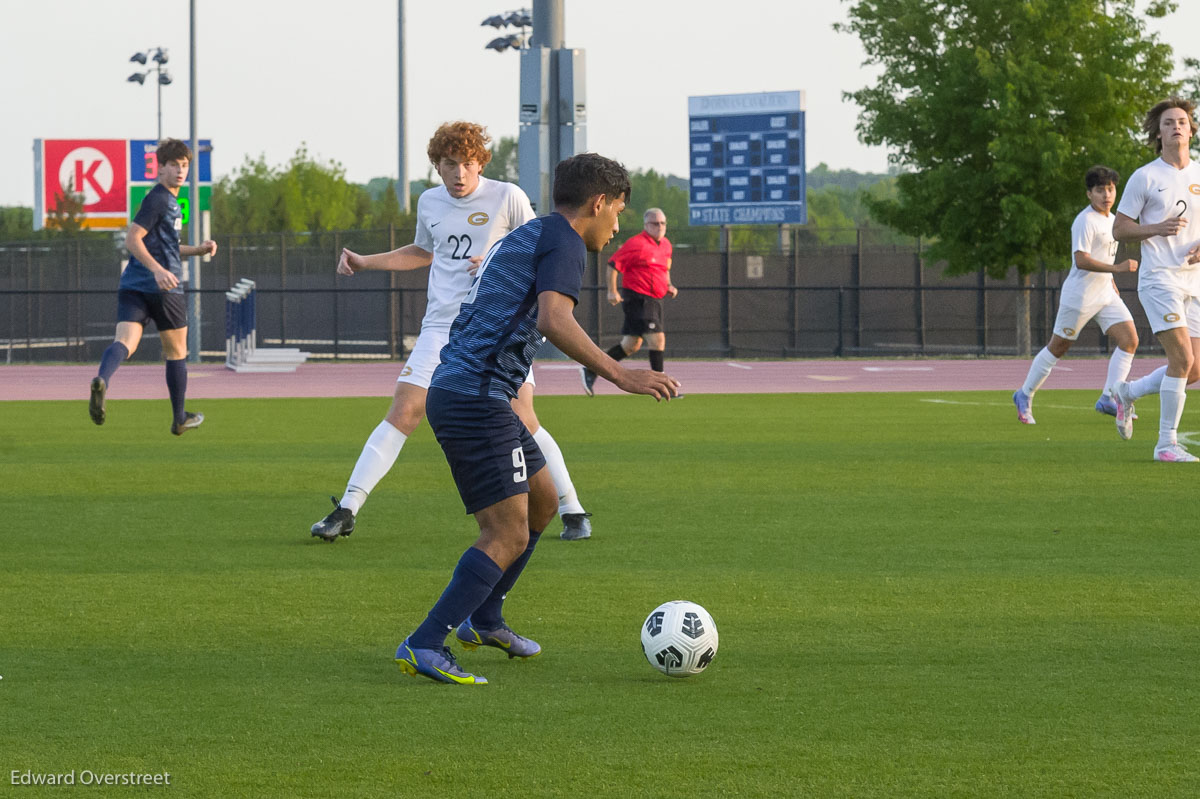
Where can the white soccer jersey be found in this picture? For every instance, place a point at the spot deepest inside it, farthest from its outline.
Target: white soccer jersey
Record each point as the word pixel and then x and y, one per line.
pixel 1091 232
pixel 1154 193
pixel 455 230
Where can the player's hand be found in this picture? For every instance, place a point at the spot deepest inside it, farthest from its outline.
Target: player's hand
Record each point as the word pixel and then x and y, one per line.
pixel 1169 227
pixel 1193 256
pixel 646 381
pixel 349 262
pixel 672 292
pixel 208 247
pixel 473 264
pixel 1129 265
pixel 165 280
pixel 614 298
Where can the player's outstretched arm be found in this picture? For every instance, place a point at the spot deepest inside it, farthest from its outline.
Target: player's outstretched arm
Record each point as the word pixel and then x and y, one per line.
pixel 410 256
pixel 556 321
pixel 1127 229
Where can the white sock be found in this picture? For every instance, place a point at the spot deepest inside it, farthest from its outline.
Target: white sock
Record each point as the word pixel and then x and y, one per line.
pixel 1039 370
pixel 1171 397
pixel 1118 368
pixel 568 502
pixel 1150 384
pixel 378 455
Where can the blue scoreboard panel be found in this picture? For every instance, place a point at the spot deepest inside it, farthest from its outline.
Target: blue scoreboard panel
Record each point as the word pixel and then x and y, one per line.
pixel 747 159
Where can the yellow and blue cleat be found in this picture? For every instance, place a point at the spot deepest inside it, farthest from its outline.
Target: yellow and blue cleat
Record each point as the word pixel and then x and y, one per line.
pixel 503 638
pixel 435 664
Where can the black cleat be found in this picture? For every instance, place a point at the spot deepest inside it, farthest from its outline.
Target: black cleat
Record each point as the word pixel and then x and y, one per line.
pixel 96 403
pixel 589 381
pixel 340 521
pixel 190 420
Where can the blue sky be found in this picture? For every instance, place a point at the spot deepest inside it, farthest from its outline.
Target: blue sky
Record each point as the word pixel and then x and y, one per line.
pixel 273 75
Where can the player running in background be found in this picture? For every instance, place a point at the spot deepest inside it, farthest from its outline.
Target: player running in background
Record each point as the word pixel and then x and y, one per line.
pixel 457 223
pixel 1158 209
pixel 527 288
pixel 151 288
pixel 1089 292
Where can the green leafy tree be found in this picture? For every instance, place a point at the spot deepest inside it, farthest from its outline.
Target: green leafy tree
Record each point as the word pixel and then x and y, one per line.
pixel 994 110
pixel 504 164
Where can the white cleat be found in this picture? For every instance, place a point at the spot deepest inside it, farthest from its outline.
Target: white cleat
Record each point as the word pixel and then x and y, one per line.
pixel 1125 414
pixel 1173 453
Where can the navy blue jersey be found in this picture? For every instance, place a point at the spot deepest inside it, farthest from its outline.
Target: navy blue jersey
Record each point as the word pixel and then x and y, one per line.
pixel 159 214
pixel 495 336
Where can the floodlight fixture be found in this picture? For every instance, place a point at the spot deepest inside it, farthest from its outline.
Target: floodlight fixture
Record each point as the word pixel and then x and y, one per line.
pixel 496 21
pixel 138 57
pixel 160 56
pixel 137 77
pixel 164 79
pixel 499 44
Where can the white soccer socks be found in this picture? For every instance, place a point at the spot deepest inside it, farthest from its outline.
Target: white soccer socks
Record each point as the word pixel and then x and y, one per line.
pixel 378 456
pixel 568 502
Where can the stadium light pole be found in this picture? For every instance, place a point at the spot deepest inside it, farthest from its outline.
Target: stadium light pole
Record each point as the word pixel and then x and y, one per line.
pixel 402 180
pixel 159 56
pixel 194 215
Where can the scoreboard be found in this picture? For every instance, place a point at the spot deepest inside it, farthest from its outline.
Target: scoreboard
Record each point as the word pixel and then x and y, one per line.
pixel 746 159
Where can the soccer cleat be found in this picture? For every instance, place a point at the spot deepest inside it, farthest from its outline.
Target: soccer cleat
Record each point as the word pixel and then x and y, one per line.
pixel 589 381
pixel 1106 404
pixel 96 403
pixel 436 664
pixel 1024 410
pixel 190 420
pixel 340 521
pixel 1124 414
pixel 503 638
pixel 1173 453
pixel 576 527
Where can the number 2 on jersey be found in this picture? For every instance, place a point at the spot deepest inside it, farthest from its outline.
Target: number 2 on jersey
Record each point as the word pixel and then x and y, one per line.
pixel 465 242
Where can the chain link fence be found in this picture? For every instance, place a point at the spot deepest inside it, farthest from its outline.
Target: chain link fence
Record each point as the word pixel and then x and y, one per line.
pixel 868 296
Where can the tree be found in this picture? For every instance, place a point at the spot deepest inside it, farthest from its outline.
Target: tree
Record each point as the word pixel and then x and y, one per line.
pixel 66 217
pixel 994 110
pixel 504 164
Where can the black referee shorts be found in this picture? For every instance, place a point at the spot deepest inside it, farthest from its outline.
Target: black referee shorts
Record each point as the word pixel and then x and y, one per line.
pixel 643 314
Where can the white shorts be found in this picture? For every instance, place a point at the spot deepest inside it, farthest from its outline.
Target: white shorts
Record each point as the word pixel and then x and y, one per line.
pixel 427 354
pixel 1168 308
pixel 1071 320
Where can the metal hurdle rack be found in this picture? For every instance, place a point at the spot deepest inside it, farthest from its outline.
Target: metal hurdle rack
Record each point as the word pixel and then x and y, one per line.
pixel 241 336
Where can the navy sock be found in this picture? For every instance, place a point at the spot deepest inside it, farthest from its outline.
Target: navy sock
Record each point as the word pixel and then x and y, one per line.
pixel 111 359
pixel 177 386
pixel 490 614
pixel 656 360
pixel 474 577
pixel 616 352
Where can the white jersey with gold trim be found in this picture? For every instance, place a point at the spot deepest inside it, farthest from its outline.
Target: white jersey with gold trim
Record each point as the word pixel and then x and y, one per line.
pixel 457 229
pixel 1154 193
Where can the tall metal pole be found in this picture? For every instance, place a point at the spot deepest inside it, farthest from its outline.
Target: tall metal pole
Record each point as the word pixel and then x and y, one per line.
pixel 193 203
pixel 158 80
pixel 402 180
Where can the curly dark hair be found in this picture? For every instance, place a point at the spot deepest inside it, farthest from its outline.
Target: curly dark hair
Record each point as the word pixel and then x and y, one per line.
pixel 173 150
pixel 1101 176
pixel 464 140
pixel 583 176
pixel 1154 116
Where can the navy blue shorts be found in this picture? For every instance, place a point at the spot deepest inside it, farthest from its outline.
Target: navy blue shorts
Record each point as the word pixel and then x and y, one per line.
pixel 489 449
pixel 168 311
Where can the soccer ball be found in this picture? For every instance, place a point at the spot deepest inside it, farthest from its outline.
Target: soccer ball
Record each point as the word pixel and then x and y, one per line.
pixel 679 638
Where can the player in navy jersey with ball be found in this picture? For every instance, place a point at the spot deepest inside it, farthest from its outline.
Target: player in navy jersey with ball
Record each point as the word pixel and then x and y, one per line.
pixel 526 288
pixel 151 288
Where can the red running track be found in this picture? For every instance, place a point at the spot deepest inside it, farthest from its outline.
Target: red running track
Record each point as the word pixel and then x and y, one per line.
pixel 377 378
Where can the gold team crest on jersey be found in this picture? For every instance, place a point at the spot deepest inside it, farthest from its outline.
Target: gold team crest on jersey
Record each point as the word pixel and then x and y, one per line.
pixel 1194 188
pixel 1171 317
pixel 478 218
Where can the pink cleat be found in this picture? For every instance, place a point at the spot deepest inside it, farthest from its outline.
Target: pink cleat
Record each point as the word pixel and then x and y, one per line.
pixel 1173 453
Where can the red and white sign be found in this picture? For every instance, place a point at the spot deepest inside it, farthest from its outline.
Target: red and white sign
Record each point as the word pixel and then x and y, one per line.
pixel 95 169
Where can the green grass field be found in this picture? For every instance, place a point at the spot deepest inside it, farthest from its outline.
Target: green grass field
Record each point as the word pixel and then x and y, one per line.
pixel 915 599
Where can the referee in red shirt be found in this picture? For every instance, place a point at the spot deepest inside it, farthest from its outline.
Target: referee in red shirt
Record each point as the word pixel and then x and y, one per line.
pixel 644 263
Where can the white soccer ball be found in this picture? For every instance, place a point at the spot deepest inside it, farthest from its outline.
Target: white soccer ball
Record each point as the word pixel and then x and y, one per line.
pixel 679 638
